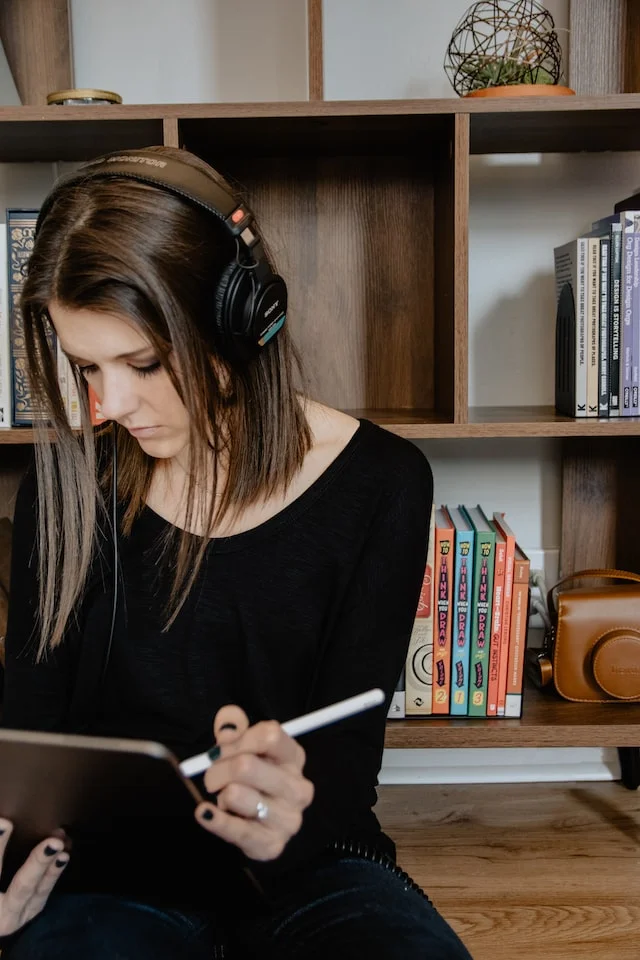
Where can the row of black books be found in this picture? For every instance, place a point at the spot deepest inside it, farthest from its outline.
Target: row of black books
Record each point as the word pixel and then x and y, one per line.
pixel 598 317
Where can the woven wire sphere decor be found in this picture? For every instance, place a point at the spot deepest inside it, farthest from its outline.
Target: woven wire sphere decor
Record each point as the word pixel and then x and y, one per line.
pixel 503 42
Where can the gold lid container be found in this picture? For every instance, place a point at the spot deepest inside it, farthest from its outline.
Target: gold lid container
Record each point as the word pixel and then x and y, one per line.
pixel 86 95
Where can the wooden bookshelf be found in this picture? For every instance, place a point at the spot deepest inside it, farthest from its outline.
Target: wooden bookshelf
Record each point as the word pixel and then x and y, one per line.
pixel 368 204
pixel 547 721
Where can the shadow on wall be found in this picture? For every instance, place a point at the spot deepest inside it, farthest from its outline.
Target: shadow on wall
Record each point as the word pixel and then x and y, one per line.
pixel 512 347
pixel 259 50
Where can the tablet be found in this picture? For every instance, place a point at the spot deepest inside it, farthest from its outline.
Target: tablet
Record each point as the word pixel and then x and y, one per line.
pixel 80 783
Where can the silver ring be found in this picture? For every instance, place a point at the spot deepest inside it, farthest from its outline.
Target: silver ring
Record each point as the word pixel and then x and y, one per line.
pixel 262 810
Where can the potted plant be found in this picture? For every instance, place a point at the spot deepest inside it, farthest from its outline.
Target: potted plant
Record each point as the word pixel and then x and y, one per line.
pixel 505 48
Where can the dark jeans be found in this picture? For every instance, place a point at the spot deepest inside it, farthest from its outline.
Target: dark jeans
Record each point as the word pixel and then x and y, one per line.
pixel 342 909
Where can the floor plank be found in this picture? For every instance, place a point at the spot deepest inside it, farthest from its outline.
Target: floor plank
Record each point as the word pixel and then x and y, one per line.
pixel 533 871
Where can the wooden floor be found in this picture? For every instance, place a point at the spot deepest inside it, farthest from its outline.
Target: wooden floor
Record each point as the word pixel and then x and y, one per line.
pixel 525 871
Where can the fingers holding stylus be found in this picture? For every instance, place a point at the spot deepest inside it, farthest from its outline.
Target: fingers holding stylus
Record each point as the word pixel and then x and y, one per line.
pixel 254 770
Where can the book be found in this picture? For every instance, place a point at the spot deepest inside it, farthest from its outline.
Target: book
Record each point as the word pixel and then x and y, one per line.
pixel 518 637
pixel 95 410
pixel 443 610
pixel 461 624
pixel 5 345
pixel 495 645
pixel 603 399
pixel 481 601
pixel 611 228
pixel 419 661
pixel 593 325
pixel 629 305
pixel 570 266
pixel 505 633
pixel 21 225
pixel 396 707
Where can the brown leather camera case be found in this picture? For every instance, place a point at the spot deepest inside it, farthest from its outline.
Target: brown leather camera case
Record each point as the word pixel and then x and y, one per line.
pixel 596 654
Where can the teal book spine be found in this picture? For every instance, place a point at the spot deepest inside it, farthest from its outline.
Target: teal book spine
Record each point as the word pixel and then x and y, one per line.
pixel 461 626
pixel 481 610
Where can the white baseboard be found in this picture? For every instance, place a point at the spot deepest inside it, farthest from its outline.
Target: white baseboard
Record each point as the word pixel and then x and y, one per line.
pixel 513 765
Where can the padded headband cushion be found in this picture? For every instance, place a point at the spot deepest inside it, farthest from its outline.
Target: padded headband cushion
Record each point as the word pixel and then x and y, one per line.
pixel 157 171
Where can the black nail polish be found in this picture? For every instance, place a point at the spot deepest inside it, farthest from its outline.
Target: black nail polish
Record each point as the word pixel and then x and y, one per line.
pixel 207 814
pixel 50 851
pixel 61 863
pixel 228 726
pixel 213 754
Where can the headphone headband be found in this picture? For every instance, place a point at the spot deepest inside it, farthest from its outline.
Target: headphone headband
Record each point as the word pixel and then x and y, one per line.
pixel 251 300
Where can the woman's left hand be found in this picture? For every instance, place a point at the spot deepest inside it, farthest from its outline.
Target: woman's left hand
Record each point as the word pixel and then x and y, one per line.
pixel 261 791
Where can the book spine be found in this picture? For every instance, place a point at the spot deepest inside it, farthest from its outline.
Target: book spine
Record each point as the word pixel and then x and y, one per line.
pixel 505 633
pixel 419 661
pixel 20 233
pixel 396 707
pixel 603 403
pixel 635 326
pixel 581 329
pixel 627 327
pixel 481 625
pixel 5 344
pixel 615 280
pixel 496 629
pixel 443 611
pixel 593 325
pixel 75 413
pixel 95 411
pixel 518 639
pixel 463 586
pixel 64 372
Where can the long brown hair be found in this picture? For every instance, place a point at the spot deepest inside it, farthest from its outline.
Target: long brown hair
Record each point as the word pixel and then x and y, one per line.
pixel 125 248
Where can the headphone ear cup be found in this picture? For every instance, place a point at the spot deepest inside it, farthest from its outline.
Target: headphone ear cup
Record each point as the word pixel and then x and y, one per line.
pixel 222 299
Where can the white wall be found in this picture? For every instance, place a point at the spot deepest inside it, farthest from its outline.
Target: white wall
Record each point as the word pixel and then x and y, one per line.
pixel 187 51
pixel 375 49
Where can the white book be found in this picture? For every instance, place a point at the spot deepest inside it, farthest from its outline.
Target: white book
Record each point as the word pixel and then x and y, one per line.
pixel 570 261
pixel 593 326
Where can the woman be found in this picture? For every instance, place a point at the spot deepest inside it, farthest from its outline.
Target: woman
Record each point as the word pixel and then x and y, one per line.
pixel 262 557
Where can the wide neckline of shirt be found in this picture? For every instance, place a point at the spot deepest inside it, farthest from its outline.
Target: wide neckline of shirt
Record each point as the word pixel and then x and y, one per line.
pixel 285 516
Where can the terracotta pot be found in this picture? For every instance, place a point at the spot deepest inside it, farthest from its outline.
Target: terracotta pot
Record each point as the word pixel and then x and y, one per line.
pixel 524 90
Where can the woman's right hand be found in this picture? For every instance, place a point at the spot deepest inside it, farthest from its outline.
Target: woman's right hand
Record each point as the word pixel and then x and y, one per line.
pixel 33 882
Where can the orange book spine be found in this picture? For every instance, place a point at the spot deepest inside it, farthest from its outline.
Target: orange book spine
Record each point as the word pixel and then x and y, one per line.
pixel 505 635
pixel 95 411
pixel 443 608
pixel 496 625
pixel 518 639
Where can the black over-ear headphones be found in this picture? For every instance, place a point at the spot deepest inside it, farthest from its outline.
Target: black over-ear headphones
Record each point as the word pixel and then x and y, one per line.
pixel 250 300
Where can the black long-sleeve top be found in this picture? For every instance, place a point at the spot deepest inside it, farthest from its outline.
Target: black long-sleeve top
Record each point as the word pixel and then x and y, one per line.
pixel 312 606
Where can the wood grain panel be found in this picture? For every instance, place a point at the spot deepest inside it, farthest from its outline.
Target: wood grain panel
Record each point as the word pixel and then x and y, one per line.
pixel 631 58
pixel 171 132
pixel 600 522
pixel 596 38
pixel 315 49
pixel 354 239
pixel 451 272
pixel 75 139
pixel 35 36
pixel 529 870
pixel 12 467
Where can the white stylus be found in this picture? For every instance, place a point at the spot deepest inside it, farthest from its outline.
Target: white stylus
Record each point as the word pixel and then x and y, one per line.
pixel 309 721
